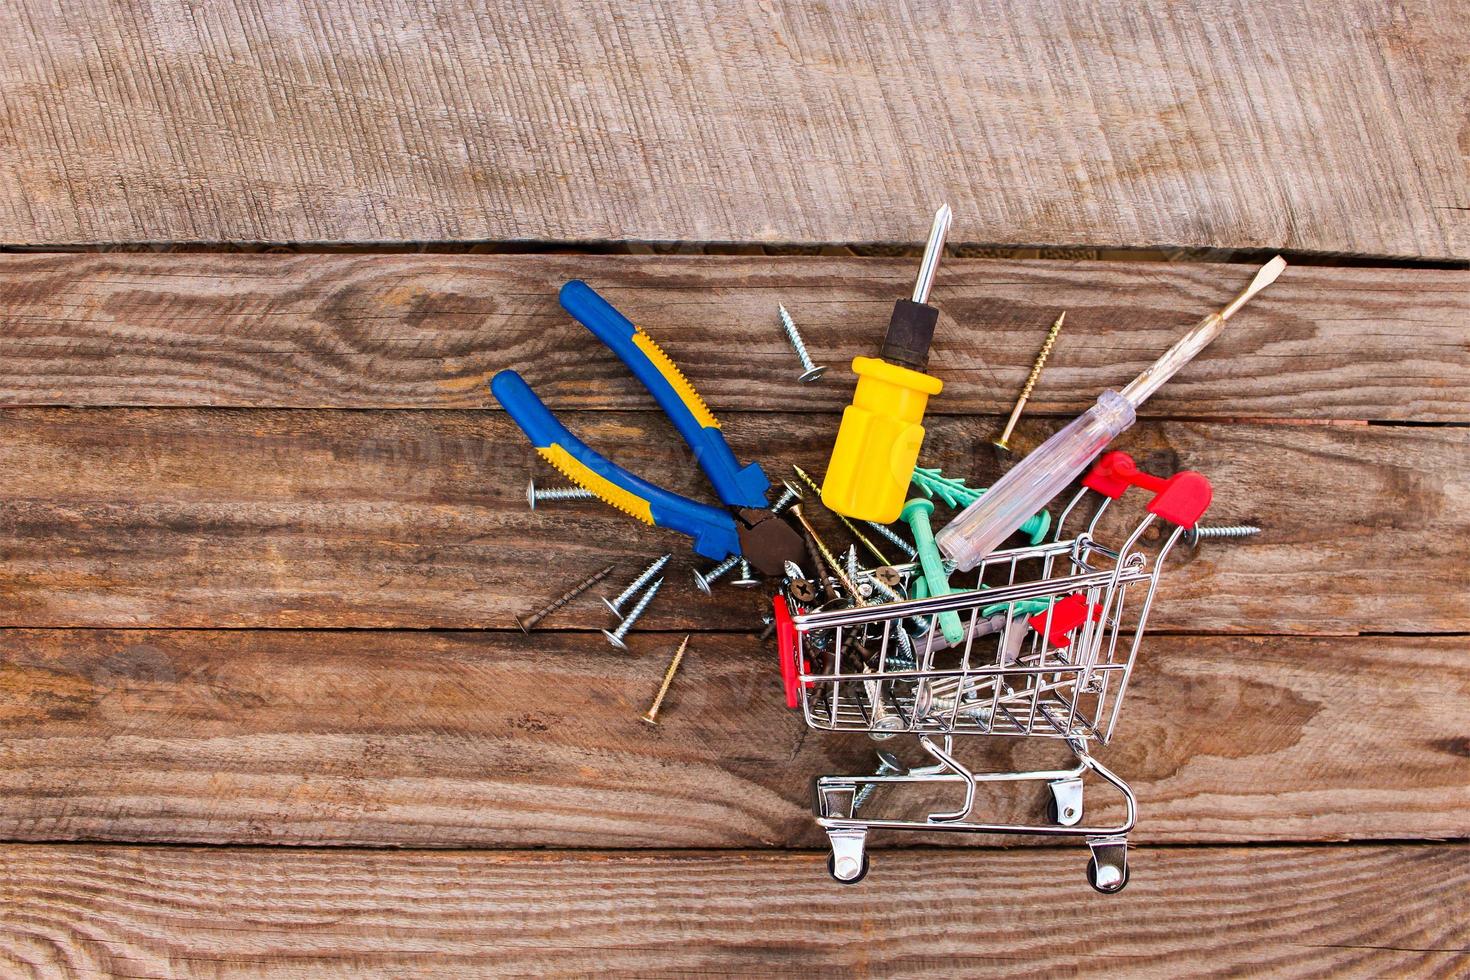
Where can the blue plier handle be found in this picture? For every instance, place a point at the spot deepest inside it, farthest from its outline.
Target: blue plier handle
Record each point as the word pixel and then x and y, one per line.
pixel 716 532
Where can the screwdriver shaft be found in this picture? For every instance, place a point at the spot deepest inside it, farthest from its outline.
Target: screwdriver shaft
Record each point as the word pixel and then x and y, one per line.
pixel 933 249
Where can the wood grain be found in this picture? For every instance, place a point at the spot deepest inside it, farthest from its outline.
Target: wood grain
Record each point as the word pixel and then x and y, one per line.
pixel 187 912
pixel 426 331
pixel 1338 128
pixel 211 518
pixel 429 739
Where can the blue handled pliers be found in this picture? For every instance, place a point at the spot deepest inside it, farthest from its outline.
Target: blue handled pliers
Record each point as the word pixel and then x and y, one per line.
pixel 745 526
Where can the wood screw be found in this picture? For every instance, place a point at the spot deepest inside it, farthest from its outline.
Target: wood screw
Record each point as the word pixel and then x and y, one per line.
pixel 888 765
pixel 528 623
pixel 651 715
pixel 812 371
pixel 1196 534
pixel 705 579
pixel 615 636
pixel 1051 338
pixel 898 542
pixel 615 604
pixel 534 496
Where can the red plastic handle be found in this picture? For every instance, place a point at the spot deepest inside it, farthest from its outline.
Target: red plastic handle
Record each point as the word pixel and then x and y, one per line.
pixel 1066 615
pixel 786 647
pixel 1179 499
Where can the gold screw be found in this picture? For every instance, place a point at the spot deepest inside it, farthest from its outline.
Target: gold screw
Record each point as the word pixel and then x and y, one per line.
pixel 651 715
pixel 862 539
pixel 1051 338
pixel 857 599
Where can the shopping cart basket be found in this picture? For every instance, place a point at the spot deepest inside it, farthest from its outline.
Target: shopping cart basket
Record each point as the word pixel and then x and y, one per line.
pixel 1041 647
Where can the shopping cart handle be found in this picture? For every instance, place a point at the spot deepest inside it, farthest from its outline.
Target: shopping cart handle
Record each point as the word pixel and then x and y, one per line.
pixel 1180 499
pixel 786 647
pixel 1064 617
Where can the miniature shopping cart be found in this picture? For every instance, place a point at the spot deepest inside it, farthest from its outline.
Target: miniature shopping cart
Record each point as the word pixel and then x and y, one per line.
pixel 1041 647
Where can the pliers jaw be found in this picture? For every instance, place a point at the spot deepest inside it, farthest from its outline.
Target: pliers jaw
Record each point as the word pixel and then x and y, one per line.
pixel 767 542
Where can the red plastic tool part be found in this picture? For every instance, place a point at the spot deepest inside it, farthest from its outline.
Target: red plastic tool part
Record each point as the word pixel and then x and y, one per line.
pixel 786 646
pixel 1180 499
pixel 1066 615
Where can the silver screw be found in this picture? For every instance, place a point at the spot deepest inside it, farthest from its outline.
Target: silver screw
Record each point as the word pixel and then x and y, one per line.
pixel 705 579
pixel 886 532
pixel 615 636
pixel 888 765
pixel 615 604
pixel 527 623
pixel 534 496
pixel 789 496
pixel 747 579
pixel 1196 534
pixel 812 371
pixel 850 560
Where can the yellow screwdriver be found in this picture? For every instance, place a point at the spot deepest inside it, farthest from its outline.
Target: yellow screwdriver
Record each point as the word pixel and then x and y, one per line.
pixel 878 442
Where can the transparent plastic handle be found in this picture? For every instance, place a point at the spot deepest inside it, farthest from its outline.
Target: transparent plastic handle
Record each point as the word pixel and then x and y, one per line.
pixel 981 527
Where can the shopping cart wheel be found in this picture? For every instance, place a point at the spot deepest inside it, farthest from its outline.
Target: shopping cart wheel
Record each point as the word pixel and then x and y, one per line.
pixel 848 862
pixel 832 870
pixel 1122 882
pixel 1108 869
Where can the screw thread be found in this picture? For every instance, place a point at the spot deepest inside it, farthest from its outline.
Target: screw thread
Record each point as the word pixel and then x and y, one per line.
pixel 892 536
pixel 564 493
pixel 644 577
pixel 722 568
pixel 638 609
pixel 528 622
pixel 795 337
pixel 788 495
pixel 815 540
pixel 851 527
pixel 866 793
pixel 1051 339
pixel 1228 531
pixel 651 715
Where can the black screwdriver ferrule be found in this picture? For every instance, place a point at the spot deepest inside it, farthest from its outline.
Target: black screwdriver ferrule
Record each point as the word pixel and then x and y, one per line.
pixel 910 332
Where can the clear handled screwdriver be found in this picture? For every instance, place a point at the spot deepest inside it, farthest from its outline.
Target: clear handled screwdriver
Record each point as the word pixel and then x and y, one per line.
pixel 980 528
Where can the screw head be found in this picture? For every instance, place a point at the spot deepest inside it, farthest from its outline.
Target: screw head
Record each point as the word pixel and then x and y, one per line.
pixel 521 622
pixel 610 607
pixel 614 639
pixel 531 493
pixel 795 490
pixel 813 374
pixel 701 582
pixel 648 718
pixel 1002 445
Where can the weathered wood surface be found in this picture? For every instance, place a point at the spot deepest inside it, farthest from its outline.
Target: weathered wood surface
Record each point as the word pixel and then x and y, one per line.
pixel 426 331
pixel 211 518
pixel 428 739
pixel 1382 911
pixel 1333 127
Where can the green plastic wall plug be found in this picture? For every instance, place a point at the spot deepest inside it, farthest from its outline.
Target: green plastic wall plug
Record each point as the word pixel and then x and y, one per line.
pixel 932 483
pixel 1024 607
pixel 916 514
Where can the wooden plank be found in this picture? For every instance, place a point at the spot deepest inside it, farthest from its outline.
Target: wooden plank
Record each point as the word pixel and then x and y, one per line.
pixel 194 912
pixel 419 739
pixel 426 331
pixel 209 518
pixel 1263 125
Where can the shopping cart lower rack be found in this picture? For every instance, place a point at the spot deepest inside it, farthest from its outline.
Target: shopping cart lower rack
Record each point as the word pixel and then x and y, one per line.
pixel 1041 647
